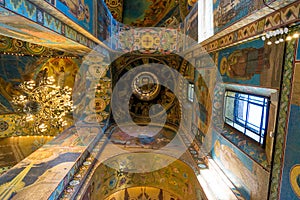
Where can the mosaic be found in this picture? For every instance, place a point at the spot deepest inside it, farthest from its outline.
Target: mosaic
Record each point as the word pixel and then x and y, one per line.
pixel 257 27
pixel 225 60
pixel 149 40
pixel 79 11
pixel 104 19
pixel 148 13
pixel 247 175
pixel 18 47
pixel 15 149
pixel 36 32
pixel 177 177
pixel 54 165
pixel 116 9
pixel 290 181
pixel 15 71
pixel 227 12
pixel 283 116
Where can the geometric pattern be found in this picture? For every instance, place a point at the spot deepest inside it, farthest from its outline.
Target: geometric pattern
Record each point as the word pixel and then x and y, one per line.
pixel 149 40
pixel 18 47
pixel 284 16
pixel 282 119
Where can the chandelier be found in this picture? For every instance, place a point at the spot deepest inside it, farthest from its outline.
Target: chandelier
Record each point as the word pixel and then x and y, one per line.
pixel 43 106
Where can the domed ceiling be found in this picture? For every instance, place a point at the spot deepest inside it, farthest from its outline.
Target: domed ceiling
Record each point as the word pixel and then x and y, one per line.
pixel 150 13
pixel 112 181
pixel 150 99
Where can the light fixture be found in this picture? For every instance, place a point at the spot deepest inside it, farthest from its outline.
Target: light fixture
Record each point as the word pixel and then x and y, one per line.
pixel 279 33
pixel 296 35
pixel 285 30
pixel 43 106
pixel 288 38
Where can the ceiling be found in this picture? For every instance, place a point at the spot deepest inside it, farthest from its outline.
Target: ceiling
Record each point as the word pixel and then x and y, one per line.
pixel 20 63
pixel 150 13
pixel 130 74
pixel 22 60
pixel 115 176
pixel 16 26
pixel 142 193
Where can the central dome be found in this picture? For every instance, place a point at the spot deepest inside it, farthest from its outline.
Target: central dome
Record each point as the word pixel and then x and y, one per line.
pixel 145 86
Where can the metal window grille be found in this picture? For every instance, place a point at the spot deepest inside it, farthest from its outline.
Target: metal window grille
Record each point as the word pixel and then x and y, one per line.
pixel 248 114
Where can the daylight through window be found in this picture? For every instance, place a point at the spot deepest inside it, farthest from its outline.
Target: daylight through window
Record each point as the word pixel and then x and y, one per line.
pixel 191 92
pixel 247 113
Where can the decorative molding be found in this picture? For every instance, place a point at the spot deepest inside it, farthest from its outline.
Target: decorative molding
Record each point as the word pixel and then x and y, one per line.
pixel 12 46
pixel 283 116
pixel 223 39
pixel 49 21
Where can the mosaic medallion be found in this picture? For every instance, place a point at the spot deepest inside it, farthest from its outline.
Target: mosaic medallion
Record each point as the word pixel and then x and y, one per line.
pixel 145 86
pixel 3 126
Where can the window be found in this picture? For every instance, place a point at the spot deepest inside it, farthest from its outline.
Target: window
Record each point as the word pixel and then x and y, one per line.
pixel 248 114
pixel 205 20
pixel 191 92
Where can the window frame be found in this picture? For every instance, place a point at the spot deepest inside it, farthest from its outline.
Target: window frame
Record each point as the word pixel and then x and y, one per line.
pixel 191 92
pixel 265 108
